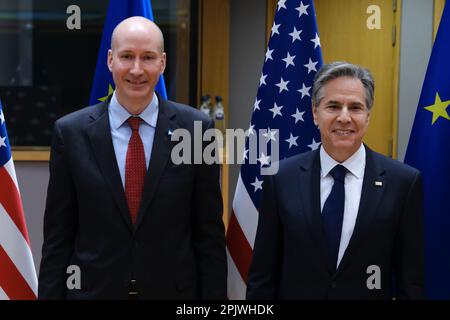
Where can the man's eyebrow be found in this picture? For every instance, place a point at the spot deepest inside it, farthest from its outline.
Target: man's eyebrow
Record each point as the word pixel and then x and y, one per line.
pixel 356 103
pixel 131 51
pixel 332 102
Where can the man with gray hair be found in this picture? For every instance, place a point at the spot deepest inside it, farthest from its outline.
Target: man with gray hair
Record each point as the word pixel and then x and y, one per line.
pixel 340 222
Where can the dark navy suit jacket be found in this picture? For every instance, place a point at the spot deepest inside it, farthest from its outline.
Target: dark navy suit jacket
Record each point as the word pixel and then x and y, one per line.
pixel 176 250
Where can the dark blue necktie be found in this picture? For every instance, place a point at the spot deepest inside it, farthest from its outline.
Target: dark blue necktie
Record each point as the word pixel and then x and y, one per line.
pixel 333 214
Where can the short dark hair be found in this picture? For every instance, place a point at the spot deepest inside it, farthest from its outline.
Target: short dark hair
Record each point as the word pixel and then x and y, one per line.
pixel 339 69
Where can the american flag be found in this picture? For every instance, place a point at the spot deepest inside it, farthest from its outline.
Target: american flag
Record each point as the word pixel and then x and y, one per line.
pixel 18 279
pixel 282 108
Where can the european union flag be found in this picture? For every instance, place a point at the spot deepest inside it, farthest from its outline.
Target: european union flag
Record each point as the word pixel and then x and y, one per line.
pixel 429 151
pixel 118 10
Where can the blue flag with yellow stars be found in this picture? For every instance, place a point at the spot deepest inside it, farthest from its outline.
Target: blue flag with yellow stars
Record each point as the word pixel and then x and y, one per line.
pixel 118 10
pixel 429 151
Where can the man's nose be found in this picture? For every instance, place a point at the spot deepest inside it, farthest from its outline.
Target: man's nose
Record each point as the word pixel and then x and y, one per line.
pixel 136 68
pixel 344 115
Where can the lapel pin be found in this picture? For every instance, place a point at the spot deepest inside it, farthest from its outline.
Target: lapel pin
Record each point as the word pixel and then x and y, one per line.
pixel 169 133
pixel 378 183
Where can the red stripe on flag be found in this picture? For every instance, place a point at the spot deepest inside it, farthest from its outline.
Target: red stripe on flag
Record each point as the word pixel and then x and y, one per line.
pixel 11 201
pixel 239 248
pixel 11 280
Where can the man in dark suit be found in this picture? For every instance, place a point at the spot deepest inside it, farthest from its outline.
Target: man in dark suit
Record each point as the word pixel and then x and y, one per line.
pixel 118 208
pixel 340 222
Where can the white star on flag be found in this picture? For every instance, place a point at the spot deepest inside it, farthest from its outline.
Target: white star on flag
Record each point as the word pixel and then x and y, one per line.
pixel 269 54
pixel 275 28
pixel 298 115
pixel 304 91
pixel 289 60
pixel 2 142
pixel 245 156
pixel 316 41
pixel 251 130
pixel 276 110
pixel 257 184
pixel 256 105
pixel 282 85
pixel 262 80
pixel 270 135
pixel 314 145
pixel 264 160
pixel 2 117
pixel 302 9
pixel 292 141
pixel 311 65
pixel 281 4
pixel 295 34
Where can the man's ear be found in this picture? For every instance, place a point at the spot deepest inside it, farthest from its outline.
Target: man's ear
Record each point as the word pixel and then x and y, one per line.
pixel 314 112
pixel 368 116
pixel 163 62
pixel 109 60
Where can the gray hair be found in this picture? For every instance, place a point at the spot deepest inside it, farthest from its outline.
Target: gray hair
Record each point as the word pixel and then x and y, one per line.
pixel 339 69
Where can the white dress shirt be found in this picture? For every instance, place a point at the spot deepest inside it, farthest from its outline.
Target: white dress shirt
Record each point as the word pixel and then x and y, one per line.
pixel 121 131
pixel 353 186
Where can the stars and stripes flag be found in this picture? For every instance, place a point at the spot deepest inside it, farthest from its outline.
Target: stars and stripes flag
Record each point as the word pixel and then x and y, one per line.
pixel 17 273
pixel 282 108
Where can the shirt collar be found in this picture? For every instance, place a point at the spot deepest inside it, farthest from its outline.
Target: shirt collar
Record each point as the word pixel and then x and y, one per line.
pixel 119 114
pixel 355 164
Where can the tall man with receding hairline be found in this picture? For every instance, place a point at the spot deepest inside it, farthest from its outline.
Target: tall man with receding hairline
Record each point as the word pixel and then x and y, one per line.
pixel 135 225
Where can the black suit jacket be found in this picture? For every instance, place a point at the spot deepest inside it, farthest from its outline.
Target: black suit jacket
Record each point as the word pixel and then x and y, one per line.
pixel 289 260
pixel 176 249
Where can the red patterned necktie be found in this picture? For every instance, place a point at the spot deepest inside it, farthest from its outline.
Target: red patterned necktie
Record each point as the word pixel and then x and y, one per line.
pixel 135 169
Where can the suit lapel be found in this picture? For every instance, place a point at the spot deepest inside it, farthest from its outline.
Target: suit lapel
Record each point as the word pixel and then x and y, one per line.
pixel 371 194
pixel 160 154
pixel 99 133
pixel 310 196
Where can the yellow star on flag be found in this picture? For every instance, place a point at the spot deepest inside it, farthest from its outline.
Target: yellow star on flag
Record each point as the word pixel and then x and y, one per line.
pixel 110 91
pixel 439 109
